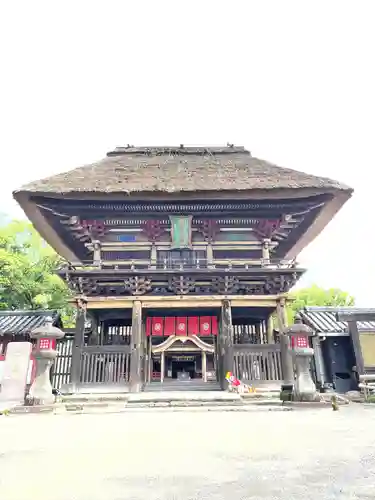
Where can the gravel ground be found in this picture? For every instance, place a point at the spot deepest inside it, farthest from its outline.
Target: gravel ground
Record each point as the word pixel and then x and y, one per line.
pixel 165 455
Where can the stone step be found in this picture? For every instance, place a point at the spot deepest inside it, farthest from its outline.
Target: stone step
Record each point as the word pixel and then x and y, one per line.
pixel 151 396
pixel 182 387
pixel 89 398
pixel 106 408
pixel 260 395
pixel 184 396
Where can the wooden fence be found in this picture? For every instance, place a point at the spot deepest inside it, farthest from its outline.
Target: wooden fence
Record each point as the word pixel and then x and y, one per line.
pixel 105 364
pixel 257 363
pixel 254 362
pixel 93 365
pixel 62 365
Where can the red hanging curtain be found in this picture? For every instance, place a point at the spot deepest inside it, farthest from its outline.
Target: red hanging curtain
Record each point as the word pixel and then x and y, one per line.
pixel 214 328
pixel 181 326
pixel 157 327
pixel 205 325
pixel 193 325
pixel 169 326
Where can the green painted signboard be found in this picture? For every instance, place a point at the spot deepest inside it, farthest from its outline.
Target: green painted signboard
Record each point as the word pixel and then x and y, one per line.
pixel 181 231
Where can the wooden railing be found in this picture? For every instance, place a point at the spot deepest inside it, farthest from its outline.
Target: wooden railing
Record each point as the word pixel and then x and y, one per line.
pixel 105 364
pixel 257 363
pixel 137 264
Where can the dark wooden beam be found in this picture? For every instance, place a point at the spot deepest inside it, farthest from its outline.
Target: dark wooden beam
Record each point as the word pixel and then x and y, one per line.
pixel 356 314
pixel 77 345
pixel 226 342
pixel 357 348
pixel 234 271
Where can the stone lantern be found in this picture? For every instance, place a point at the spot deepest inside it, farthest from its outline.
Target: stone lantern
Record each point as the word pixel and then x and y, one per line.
pixel 44 353
pixel 304 388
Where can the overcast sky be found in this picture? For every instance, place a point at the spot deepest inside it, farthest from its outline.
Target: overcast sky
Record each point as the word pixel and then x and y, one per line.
pixel 292 81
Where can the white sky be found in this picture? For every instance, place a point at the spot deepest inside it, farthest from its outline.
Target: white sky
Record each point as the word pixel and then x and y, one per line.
pixel 292 81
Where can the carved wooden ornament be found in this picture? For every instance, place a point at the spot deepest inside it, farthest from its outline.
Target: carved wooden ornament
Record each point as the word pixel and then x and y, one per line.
pixel 138 285
pixel 153 230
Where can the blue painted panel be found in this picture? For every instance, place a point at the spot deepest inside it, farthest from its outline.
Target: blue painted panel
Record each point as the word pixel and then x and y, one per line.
pixel 126 237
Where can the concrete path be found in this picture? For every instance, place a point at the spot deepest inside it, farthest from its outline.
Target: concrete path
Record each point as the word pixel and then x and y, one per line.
pixel 156 455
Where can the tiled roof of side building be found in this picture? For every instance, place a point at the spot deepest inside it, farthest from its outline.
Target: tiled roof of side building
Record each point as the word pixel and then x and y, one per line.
pixel 24 322
pixel 323 320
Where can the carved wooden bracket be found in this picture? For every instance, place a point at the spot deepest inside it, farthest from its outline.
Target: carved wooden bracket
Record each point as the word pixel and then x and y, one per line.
pixel 86 229
pixel 280 284
pixel 138 285
pixel 81 303
pixel 267 227
pixel 153 230
pixel 209 229
pixel 95 228
pixel 181 285
pixel 225 285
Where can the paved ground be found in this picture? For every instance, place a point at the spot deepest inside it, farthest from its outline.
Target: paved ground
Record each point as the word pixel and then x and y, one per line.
pixel 307 454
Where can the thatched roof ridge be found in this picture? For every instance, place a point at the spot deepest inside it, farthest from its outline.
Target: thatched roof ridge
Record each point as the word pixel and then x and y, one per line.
pixel 179 169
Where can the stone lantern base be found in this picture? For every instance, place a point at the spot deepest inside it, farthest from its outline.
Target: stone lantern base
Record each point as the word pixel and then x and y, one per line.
pixel 41 389
pixel 304 387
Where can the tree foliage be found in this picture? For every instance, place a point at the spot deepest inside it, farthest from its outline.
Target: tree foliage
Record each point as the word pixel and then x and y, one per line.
pixel 27 271
pixel 317 296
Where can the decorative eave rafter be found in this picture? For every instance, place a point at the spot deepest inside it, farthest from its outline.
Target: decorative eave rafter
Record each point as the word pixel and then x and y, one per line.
pixel 297 214
pixel 87 230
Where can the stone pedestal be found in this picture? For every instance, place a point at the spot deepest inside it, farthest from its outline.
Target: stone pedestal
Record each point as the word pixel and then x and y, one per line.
pixel 41 389
pixel 304 389
pixel 15 370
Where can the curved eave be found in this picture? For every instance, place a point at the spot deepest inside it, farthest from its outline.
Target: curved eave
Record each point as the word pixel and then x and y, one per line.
pixel 327 213
pixel 256 194
pixel 47 232
pixel 329 210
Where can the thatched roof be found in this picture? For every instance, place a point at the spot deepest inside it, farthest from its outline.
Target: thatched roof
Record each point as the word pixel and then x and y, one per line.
pixel 181 169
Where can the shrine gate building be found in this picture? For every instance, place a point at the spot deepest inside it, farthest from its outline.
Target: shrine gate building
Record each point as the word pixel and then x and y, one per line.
pixel 179 258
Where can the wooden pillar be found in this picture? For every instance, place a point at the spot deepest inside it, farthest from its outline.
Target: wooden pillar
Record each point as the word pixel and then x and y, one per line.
pixel 319 362
pixel 153 256
pixel 352 317
pixel 150 361
pixel 136 345
pixel 266 252
pixel 204 366
pixel 79 338
pixel 97 258
pixel 258 332
pixel 162 367
pixel 209 255
pixel 226 333
pixel 93 339
pixel 270 337
pixel 357 348
pixel 286 354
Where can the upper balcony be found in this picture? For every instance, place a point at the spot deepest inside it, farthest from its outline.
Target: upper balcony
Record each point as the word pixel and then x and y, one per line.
pixel 182 277
pixel 180 264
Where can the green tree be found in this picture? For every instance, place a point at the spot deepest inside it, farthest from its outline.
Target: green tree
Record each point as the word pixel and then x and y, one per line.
pixel 317 296
pixel 28 268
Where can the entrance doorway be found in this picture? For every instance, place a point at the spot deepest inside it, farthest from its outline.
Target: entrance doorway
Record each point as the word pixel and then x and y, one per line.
pixel 183 367
pixel 182 358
